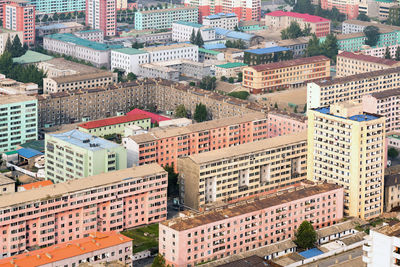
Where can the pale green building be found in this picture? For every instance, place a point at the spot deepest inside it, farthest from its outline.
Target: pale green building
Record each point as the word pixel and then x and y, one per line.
pixel 75 154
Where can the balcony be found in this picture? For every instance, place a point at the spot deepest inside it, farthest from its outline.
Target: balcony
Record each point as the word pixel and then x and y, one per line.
pixel 367 248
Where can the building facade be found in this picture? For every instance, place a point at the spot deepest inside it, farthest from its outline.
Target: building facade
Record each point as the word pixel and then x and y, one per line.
pixel 75 154
pixel 183 30
pixel 7 185
pixel 347 147
pixel 266 55
pixel 233 173
pixel 285 74
pixel 222 20
pixel 392 189
pixel 231 69
pixel 68 211
pixel 102 15
pixel 349 8
pixel 284 123
pixel 91 35
pixel 49 7
pixel 157 71
pixel 237 228
pixel 8 34
pixel 19 15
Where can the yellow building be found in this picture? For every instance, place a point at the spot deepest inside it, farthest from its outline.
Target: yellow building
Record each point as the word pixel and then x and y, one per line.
pixel 346 146
pixel 284 74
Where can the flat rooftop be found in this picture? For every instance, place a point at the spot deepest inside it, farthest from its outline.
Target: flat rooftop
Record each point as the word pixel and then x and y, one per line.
pixel 244 207
pixel 388 230
pixel 4 180
pixel 83 76
pixel 167 10
pixel 8 99
pixel 267 50
pixel 60 189
pixel 70 38
pixel 367 58
pixel 130 51
pixel 290 63
pixel 167 47
pixel 84 140
pixel 113 121
pixel 358 117
pixel 386 93
pixel 63 64
pixel 191 24
pixel 31 57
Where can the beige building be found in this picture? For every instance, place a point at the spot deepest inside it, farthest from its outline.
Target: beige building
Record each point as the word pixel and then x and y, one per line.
pixel 392 188
pixel 348 63
pixel 79 81
pixel 229 69
pixel 5 34
pixel 346 146
pixel 7 185
pixel 58 67
pixel 233 173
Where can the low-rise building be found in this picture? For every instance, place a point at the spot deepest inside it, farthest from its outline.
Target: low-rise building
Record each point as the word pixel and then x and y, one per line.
pixel 283 123
pixel 65 27
pixel 183 30
pixel 285 74
pixel 244 226
pixel 79 81
pixel 246 38
pixel 266 55
pixel 91 35
pixel 7 185
pixel 210 55
pixel 128 59
pixel 172 52
pixel 393 140
pixel 391 194
pixel 348 63
pixel 6 34
pixel 252 26
pixel 64 212
pixel 12 87
pixel 75 154
pixel 57 67
pixel 298 45
pixel 279 20
pixel 358 26
pixel 228 21
pixel 229 69
pixel 96 248
pixel 158 71
pixel 68 44
pixel 259 167
pixel 380 51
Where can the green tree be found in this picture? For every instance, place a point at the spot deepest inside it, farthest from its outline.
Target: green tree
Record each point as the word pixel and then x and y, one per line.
pixel 307 30
pixel 304 6
pixel 6 63
pixel 305 108
pixel 291 32
pixel 330 47
pixel 199 40
pixel 397 56
pixel 387 53
pixel 228 44
pixel 180 111
pixel 393 153
pixel 223 78
pixel 276 106
pixel 314 47
pixel 240 77
pixel 306 237
pixel 231 80
pixel 208 83
pixel 192 84
pixel 295 109
pixel 173 186
pixel 200 113
pixel 131 76
pixel 240 94
pixel 55 16
pixel 16 48
pixel 363 17
pixel 372 34
pixel 159 261
pixel 8 46
pixel 193 37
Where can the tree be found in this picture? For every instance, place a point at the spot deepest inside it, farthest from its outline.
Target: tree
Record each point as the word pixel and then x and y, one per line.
pixel 180 111
pixel 295 109
pixel 307 30
pixel 314 47
pixel 208 83
pixel 393 153
pixel 240 77
pixel 200 113
pixel 276 105
pixel 306 235
pixel 291 32
pixel 173 186
pixel 387 53
pixel 16 48
pixel 199 40
pixel 397 55
pixel 55 16
pixel 159 261
pixel 372 34
pixel 8 46
pixel 131 76
pixel 240 94
pixel 193 37
pixel 363 17
pixel 231 80
pixel 223 78
pixel 305 108
pixel 304 6
pixel 330 47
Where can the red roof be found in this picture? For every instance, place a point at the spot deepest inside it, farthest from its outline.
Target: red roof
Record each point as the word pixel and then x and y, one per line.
pixel 112 121
pixel 154 117
pixel 367 58
pixel 37 184
pixel 306 17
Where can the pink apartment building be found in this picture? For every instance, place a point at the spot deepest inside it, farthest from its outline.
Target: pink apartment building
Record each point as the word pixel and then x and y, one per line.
pixel 19 15
pixel 236 228
pixel 96 248
pixel 284 123
pixel 102 15
pixel 387 104
pixel 63 212
pixel 165 145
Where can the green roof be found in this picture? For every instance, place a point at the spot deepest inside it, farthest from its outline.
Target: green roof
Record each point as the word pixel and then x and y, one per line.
pixel 207 51
pixel 11 152
pixel 91 30
pixel 395 136
pixel 191 24
pixel 231 65
pixel 70 38
pixel 130 51
pixel 31 57
pixel 35 144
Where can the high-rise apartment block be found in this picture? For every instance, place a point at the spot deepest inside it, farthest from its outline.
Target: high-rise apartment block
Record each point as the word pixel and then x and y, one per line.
pixel 49 7
pixel 19 15
pixel 64 212
pixel 233 173
pixel 102 15
pixel 75 154
pixel 18 121
pixel 283 123
pixel 348 7
pixel 236 228
pixel 346 146
pixel 244 10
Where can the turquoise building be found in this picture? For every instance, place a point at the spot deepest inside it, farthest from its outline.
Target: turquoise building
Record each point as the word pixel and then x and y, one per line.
pixel 49 7
pixel 18 121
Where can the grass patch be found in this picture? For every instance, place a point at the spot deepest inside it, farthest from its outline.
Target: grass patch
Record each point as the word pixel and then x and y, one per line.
pixel 140 241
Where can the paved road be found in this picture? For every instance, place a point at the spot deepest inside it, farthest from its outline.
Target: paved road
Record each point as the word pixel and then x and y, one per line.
pixel 340 258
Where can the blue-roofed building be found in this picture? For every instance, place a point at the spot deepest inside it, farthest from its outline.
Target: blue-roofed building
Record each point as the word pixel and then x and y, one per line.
pixel 75 154
pixel 267 55
pixel 228 21
pixel 311 253
pixel 247 38
pixel 95 53
pixel 214 46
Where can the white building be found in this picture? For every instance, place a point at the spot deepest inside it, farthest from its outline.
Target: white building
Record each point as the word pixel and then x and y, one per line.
pixel 383 247
pixel 182 31
pixel 128 59
pixel 91 35
pixel 222 20
pixel 157 71
pixel 5 34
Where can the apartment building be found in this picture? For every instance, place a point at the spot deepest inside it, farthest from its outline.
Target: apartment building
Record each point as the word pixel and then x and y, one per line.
pixel 285 74
pixel 68 44
pixel 380 51
pixel 115 125
pixel 96 248
pixel 98 103
pixel 385 103
pixel 12 87
pixel 183 30
pixel 347 147
pixel 279 20
pixel 228 21
pixel 102 15
pixel 392 189
pixel 297 45
pixel 157 71
pixel 96 35
pixel 18 121
pixel 165 146
pixel 128 59
pixel 19 15
pixel 50 7
pixel 163 18
pixel 230 69
pixel 244 10
pixel 7 185
pixel 57 67
pixel 75 154
pixel 266 55
pixel 247 225
pixel 236 172
pixel 349 7
pixel 351 88
pixel 68 211
pixel 284 123
pixel 356 26
pixel 393 140
pixel 383 246
pixel 6 34
pixel 348 63
pixel 79 81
